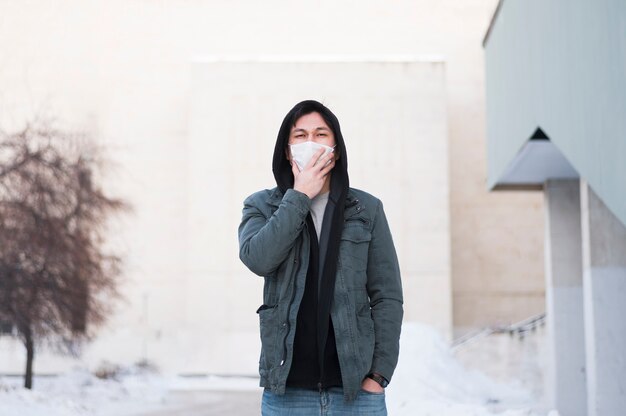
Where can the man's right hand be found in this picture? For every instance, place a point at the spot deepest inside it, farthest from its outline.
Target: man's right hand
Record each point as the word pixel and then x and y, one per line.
pixel 312 178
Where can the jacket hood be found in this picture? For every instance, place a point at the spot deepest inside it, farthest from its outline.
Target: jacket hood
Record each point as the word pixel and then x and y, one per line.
pixel 281 166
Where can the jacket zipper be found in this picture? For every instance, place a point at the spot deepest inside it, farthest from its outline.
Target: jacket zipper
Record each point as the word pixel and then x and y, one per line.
pixel 293 295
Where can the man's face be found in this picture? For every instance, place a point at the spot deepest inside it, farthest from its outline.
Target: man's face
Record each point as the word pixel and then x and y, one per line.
pixel 310 127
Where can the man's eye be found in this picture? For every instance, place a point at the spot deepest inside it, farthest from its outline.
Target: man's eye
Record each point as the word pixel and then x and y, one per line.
pixel 299 136
pixel 322 134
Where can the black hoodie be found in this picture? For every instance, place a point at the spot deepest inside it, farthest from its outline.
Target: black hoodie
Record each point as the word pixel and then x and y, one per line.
pixel 315 362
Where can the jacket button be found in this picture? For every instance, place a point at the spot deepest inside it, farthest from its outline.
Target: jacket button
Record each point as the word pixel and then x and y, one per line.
pixel 284 324
pixel 358 208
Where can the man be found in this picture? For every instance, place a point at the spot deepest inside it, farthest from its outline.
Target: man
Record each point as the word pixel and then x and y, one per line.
pixel 332 312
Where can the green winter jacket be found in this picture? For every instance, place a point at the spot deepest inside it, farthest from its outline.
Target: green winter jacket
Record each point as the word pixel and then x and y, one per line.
pixel 367 307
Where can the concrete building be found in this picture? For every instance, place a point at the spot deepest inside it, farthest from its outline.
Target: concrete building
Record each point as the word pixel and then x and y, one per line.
pixel 188 97
pixel 556 106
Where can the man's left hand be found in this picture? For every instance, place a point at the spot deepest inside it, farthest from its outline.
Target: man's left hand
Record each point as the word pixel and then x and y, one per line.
pixel 370 385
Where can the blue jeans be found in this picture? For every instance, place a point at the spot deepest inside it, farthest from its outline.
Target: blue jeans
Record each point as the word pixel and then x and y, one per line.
pixel 328 402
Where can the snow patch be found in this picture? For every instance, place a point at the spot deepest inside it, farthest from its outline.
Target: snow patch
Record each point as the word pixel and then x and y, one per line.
pixel 428 381
pixel 78 392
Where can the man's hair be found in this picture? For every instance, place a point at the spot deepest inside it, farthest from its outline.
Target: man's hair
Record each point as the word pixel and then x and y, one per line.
pixel 308 107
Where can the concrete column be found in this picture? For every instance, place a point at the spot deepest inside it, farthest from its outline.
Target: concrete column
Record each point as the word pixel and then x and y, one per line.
pixel 604 287
pixel 565 384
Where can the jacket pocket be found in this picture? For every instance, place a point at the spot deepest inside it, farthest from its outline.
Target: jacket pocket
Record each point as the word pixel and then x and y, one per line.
pixel 353 253
pixel 269 331
pixel 264 307
pixel 355 230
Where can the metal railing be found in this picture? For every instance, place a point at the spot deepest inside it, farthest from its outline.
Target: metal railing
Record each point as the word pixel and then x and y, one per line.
pixel 519 329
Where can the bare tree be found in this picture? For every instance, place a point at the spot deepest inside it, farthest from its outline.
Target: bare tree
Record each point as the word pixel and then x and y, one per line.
pixel 57 283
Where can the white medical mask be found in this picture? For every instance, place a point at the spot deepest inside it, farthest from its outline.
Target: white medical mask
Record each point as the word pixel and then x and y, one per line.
pixel 302 153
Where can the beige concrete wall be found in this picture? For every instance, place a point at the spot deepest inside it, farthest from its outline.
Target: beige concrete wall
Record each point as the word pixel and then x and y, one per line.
pixel 124 71
pixel 497 238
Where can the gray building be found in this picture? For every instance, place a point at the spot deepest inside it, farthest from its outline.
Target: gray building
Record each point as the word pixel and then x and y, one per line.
pixel 556 122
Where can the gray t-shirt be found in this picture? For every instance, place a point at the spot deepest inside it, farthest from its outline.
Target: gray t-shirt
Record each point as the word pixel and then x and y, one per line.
pixel 318 206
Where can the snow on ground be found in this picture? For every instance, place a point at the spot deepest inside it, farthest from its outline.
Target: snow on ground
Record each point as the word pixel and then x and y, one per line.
pixel 78 392
pixel 428 381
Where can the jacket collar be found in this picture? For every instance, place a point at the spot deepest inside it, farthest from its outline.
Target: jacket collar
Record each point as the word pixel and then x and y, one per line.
pixel 351 199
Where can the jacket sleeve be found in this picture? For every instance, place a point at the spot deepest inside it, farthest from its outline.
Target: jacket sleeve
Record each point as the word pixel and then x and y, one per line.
pixel 264 243
pixel 384 288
